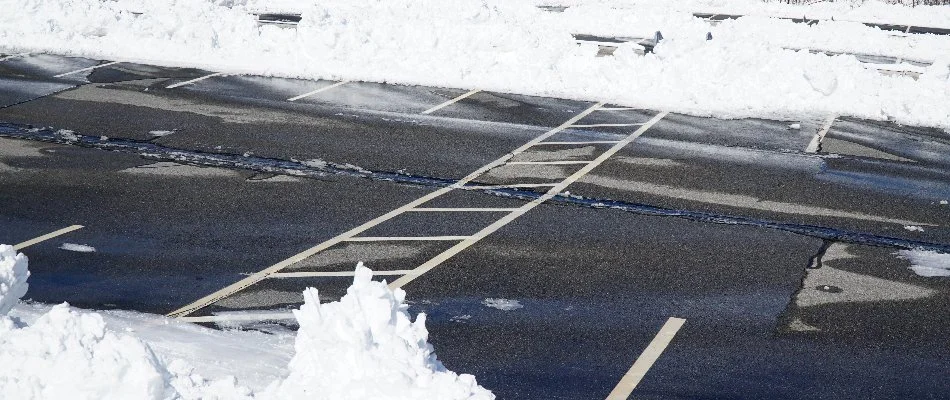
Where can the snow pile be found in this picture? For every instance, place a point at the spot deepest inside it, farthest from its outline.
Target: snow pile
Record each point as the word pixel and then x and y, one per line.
pixel 366 347
pixel 13 275
pixel 927 263
pixel 514 47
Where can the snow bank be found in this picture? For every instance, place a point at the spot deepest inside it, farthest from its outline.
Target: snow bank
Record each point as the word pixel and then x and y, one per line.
pixel 512 46
pixel 840 10
pixel 366 347
pixel 68 355
pixel 927 263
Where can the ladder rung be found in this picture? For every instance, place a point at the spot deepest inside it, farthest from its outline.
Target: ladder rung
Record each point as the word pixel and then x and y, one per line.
pixel 404 238
pixel 580 143
pixel 547 162
pixel 603 125
pixel 524 185
pixel 440 209
pixel 240 317
pixel 320 274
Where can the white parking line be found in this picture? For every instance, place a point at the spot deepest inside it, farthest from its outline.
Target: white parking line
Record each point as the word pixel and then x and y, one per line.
pixel 815 143
pixel 86 69
pixel 313 92
pixel 179 84
pixel 330 274
pixel 547 162
pixel 259 276
pixel 554 191
pixel 604 125
pixel 404 238
pixel 450 102
pixel 46 237
pixel 649 356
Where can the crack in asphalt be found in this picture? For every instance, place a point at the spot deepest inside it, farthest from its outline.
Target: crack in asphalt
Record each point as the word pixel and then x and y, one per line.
pixel 150 150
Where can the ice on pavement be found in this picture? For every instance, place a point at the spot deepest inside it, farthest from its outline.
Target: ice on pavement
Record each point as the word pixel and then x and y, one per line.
pixel 364 347
pixel 750 69
pixel 502 304
pixel 80 248
pixel 927 263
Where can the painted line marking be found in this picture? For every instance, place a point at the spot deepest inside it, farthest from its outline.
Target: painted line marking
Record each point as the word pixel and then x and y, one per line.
pixel 313 92
pixel 649 356
pixel 86 69
pixel 321 274
pixel 815 143
pixel 617 109
pixel 450 102
pixel 239 317
pixel 404 238
pixel 12 56
pixel 604 125
pixel 547 162
pixel 908 29
pixel 558 188
pixel 580 143
pixel 46 237
pixel 438 209
pixel 179 84
pixel 514 186
pixel 261 275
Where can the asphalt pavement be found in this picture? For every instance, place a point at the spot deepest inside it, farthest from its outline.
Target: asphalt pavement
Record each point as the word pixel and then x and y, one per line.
pixel 776 241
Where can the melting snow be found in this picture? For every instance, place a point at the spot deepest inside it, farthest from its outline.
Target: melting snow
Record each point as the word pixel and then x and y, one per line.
pixel 502 304
pixel 927 263
pixel 81 248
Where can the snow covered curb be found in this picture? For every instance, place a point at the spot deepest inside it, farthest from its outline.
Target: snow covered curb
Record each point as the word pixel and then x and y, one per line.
pixel 364 347
pixel 510 46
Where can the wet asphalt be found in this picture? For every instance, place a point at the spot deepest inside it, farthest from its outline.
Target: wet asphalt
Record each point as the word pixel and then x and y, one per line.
pixel 595 283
